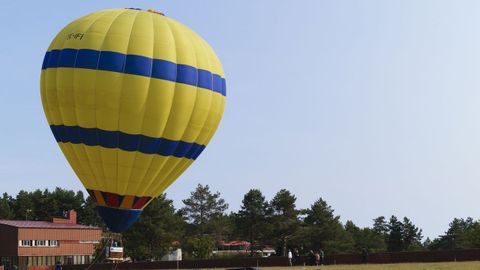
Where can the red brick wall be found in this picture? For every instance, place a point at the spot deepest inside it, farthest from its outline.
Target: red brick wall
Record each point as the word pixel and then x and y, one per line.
pixel 8 240
pixel 69 243
pixel 59 234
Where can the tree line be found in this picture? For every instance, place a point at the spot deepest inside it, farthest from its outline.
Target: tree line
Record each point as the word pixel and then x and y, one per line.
pixel 278 223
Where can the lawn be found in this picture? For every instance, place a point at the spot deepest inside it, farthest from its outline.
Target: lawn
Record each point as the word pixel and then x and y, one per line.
pixel 399 266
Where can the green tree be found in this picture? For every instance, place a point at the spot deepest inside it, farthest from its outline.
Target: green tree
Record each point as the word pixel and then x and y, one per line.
pixel 412 236
pixel 365 238
pixel 43 205
pixel 380 226
pixel 471 238
pixel 325 229
pixel 402 236
pixel 221 227
pixel 152 235
pixel 284 218
pixel 201 247
pixel 461 234
pixel 6 211
pixel 252 218
pixel 88 215
pixel 23 206
pixel 395 227
pixel 202 206
pixel 62 200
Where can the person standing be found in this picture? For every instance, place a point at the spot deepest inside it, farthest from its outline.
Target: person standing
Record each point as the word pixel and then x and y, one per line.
pixel 322 257
pixel 290 256
pixel 311 258
pixel 58 266
pixel 364 255
pixel 296 257
pixel 317 258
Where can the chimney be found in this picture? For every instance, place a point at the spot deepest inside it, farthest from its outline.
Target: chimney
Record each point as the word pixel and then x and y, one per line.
pixel 71 218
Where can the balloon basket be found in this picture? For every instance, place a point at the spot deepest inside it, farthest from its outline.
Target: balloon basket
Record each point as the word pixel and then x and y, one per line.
pixel 114 248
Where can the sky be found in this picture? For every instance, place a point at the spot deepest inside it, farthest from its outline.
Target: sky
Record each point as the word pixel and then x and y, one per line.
pixel 371 105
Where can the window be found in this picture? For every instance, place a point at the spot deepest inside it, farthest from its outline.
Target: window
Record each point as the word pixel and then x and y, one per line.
pixel 38 243
pixel 25 243
pixel 50 260
pixel 41 243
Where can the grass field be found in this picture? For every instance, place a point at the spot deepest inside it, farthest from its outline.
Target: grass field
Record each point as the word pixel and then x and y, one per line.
pixel 399 266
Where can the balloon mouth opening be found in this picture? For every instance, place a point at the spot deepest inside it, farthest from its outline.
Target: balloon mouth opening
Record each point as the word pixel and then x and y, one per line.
pixel 119 212
pixel 118 220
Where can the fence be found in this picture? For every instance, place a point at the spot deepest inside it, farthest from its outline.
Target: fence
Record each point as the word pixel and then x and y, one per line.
pixel 394 257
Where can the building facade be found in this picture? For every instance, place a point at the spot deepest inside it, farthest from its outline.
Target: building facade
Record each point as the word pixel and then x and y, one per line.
pixel 241 247
pixel 38 244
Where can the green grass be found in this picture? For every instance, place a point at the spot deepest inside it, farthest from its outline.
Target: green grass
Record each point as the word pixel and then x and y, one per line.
pixel 399 266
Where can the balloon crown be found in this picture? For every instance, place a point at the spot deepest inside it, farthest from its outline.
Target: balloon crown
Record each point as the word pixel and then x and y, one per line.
pixel 149 10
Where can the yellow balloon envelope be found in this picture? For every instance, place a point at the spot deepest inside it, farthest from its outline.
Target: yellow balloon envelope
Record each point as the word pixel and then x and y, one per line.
pixel 132 98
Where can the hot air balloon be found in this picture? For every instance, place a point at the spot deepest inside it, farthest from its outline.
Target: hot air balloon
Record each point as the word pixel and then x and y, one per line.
pixel 132 98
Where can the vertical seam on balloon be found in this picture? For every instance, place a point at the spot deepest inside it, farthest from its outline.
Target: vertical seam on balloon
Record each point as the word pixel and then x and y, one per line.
pixel 214 128
pixel 70 146
pixel 137 153
pixel 165 161
pixel 83 146
pixel 117 150
pixel 53 44
pixel 152 157
pixel 43 92
pixel 214 96
pixel 54 116
pixel 173 159
pixel 50 107
pixel 100 149
pixel 174 174
pixel 51 114
pixel 43 95
pixel 179 161
pixel 212 131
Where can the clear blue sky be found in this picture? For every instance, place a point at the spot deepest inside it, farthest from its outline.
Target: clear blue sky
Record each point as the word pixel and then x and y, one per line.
pixel 372 105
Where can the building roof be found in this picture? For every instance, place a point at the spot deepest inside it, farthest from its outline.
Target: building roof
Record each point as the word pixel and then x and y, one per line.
pixel 43 225
pixel 234 243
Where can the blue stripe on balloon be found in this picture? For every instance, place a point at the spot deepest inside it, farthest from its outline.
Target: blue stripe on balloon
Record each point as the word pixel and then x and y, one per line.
pixel 135 65
pixel 52 58
pixel 164 70
pixel 139 65
pixel 112 61
pixel 205 79
pixel 187 75
pixel 67 58
pixel 126 142
pixel 87 59
pixel 45 60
